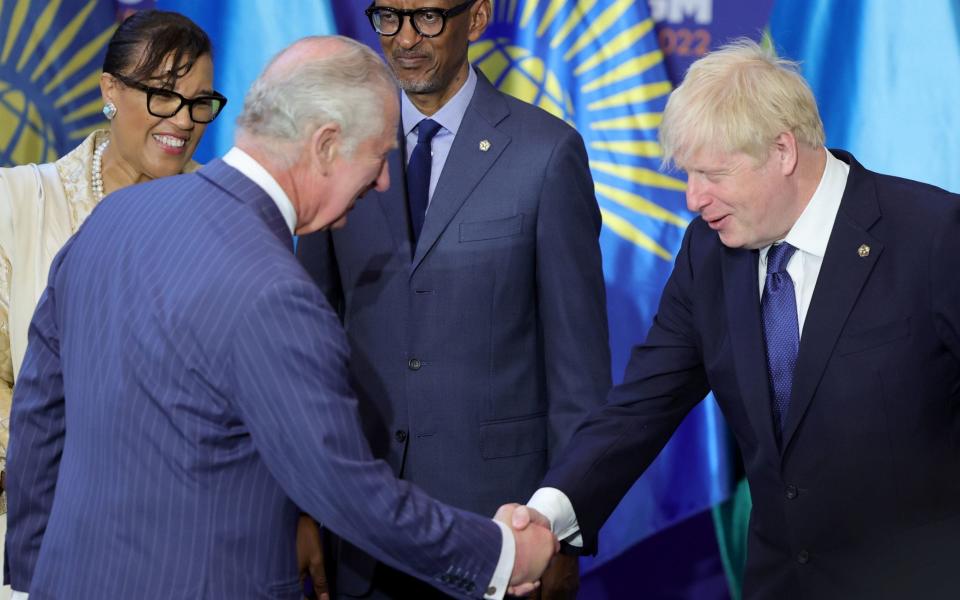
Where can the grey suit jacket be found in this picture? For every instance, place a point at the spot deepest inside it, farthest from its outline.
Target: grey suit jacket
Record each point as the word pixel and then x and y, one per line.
pixel 476 353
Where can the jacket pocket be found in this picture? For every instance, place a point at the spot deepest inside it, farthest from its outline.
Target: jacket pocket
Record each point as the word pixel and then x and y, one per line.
pixel 866 339
pixel 489 230
pixel 514 438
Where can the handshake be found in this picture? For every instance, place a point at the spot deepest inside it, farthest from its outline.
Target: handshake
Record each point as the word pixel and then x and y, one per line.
pixel 536 545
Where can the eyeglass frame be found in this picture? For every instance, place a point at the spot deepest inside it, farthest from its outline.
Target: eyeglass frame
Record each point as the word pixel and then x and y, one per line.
pixel 150 90
pixel 444 13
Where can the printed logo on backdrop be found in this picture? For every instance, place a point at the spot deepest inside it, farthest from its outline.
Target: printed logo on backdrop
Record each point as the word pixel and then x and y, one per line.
pixel 597 65
pixel 51 53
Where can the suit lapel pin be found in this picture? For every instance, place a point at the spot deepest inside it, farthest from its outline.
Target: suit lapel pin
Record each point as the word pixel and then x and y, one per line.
pixel 484 145
pixel 863 251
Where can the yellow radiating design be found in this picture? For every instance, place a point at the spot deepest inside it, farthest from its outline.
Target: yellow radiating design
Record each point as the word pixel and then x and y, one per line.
pixel 80 58
pixel 599 26
pixel 553 86
pixel 631 68
pixel 63 39
pixel 627 231
pixel 16 22
pixel 620 43
pixel 534 67
pixel 635 95
pixel 40 29
pixel 494 66
pixel 551 107
pixel 637 121
pixel 88 83
pixel 90 108
pixel 513 10
pixel 519 85
pixel 640 205
pixel 528 11
pixel 582 8
pixel 639 175
pixel 630 148
pixel 552 10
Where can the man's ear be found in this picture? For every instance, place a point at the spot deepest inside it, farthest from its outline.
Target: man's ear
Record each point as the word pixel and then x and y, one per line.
pixel 786 152
pixel 479 19
pixel 325 144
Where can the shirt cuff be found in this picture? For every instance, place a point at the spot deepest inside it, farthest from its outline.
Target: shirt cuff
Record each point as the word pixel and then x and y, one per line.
pixel 15 595
pixel 501 575
pixel 556 507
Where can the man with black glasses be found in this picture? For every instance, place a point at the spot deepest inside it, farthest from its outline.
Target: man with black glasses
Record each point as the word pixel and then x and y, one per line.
pixel 472 290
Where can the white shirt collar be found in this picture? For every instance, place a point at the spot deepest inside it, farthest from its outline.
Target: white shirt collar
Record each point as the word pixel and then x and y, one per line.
pixel 811 232
pixel 246 164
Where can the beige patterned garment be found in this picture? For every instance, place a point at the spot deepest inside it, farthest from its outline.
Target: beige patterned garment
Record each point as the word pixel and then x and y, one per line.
pixel 41 206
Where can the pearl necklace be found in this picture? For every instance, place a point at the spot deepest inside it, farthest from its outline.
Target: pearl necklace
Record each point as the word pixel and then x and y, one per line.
pixel 97 170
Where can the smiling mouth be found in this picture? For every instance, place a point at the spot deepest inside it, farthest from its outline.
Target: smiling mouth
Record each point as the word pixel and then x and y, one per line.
pixel 170 144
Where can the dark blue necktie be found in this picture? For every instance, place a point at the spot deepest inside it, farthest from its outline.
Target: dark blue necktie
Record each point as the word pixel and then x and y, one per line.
pixel 418 175
pixel 780 329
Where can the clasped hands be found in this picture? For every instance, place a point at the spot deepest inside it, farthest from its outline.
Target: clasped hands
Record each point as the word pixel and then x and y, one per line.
pixel 535 546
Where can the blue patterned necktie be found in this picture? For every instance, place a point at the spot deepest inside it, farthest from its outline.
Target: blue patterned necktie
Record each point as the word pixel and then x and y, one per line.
pixel 780 329
pixel 418 175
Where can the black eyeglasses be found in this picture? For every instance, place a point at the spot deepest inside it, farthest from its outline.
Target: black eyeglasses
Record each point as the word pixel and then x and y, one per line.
pixel 165 103
pixel 428 22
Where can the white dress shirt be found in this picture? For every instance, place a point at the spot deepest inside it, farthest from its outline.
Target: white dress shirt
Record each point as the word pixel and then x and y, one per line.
pixel 809 235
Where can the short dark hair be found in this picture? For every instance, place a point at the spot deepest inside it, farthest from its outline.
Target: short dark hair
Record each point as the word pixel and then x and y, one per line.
pixel 147 37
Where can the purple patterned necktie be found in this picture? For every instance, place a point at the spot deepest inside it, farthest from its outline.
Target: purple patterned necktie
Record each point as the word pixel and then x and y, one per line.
pixel 418 175
pixel 780 329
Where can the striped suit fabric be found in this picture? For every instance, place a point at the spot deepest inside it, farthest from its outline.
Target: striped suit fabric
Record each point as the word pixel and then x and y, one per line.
pixel 185 390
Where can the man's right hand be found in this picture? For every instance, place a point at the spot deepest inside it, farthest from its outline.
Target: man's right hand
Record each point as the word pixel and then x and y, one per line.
pixel 535 546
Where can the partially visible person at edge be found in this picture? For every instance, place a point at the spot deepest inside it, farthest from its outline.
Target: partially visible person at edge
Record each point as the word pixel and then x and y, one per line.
pixel 157 88
pixel 472 290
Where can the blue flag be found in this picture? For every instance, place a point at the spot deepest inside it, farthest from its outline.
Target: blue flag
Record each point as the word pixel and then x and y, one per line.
pixel 597 65
pixel 51 53
pixel 886 76
pixel 246 34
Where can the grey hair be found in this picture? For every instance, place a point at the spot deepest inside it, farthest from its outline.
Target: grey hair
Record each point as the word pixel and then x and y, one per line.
pixel 738 98
pixel 345 87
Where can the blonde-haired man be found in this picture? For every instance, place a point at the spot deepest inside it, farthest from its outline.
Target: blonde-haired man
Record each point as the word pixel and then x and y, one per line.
pixel 820 302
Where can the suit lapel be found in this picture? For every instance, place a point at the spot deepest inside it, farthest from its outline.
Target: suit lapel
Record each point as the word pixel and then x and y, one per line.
pixel 842 276
pixel 242 188
pixel 466 164
pixel 742 298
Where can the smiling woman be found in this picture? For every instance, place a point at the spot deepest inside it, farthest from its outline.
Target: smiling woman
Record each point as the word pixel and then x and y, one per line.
pixel 157 88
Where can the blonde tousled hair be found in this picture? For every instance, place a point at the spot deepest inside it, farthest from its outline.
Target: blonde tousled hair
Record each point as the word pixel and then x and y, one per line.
pixel 738 98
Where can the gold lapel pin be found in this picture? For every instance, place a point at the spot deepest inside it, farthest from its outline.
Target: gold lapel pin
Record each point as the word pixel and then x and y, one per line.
pixel 484 145
pixel 863 251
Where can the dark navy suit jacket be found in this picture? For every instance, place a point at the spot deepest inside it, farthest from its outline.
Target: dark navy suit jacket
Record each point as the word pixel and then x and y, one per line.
pixel 477 353
pixel 184 391
pixel 863 499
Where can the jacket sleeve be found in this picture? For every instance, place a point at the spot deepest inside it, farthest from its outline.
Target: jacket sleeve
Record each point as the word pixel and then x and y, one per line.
pixel 665 378
pixel 37 428
pixel 292 391
pixel 571 293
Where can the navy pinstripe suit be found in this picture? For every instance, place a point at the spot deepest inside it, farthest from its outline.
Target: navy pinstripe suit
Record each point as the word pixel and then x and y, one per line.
pixel 185 389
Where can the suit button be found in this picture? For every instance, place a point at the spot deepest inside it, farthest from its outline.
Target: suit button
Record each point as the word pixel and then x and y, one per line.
pixel 414 364
pixel 400 436
pixel 803 557
pixel 791 492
